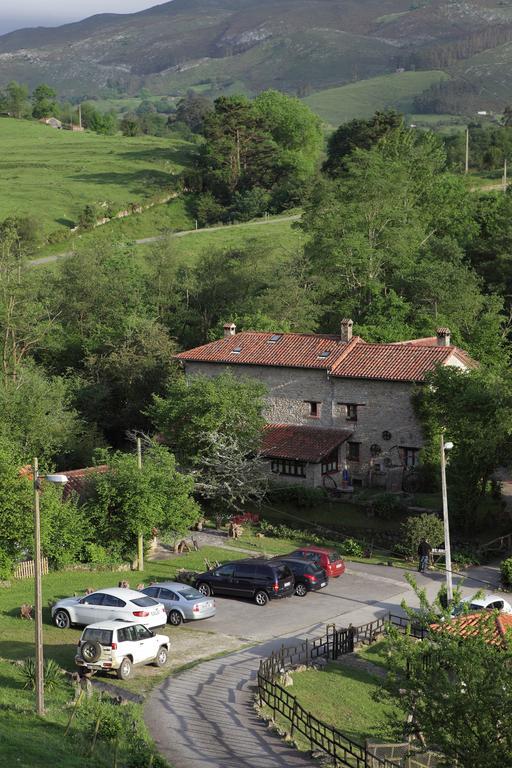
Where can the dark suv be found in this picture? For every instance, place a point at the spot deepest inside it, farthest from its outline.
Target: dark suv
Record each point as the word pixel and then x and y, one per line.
pixel 260 579
pixel 308 576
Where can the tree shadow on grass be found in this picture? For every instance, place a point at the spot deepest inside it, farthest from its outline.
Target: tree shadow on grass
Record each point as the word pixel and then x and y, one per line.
pixel 138 182
pixel 179 156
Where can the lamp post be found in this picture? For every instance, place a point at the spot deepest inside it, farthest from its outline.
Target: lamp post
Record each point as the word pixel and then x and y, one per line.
pixel 448 554
pixel 38 598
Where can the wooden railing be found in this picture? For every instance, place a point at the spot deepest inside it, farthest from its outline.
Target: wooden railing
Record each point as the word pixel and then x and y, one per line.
pixel 499 544
pixel 26 569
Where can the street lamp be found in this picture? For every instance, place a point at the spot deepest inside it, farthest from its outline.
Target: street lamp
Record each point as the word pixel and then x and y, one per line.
pixel 448 554
pixel 59 480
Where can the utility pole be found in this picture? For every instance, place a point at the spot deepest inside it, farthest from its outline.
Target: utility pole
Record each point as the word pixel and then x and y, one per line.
pixel 80 116
pixel 448 554
pixel 38 596
pixel 140 538
pixel 505 175
pixel 467 151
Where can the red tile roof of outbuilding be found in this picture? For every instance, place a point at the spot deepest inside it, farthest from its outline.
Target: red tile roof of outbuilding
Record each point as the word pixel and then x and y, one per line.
pixel 288 441
pixel 496 629
pixel 77 478
pixel 354 359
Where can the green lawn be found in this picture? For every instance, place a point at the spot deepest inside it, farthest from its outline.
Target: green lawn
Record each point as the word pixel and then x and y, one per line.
pixel 363 98
pixel 345 698
pixel 330 514
pixel 53 174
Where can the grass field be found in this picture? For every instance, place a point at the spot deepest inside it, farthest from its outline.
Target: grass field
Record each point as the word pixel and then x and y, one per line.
pixel 53 174
pixel 361 99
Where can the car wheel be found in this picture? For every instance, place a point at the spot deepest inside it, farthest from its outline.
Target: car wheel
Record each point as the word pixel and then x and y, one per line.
pixel 62 620
pixel 261 598
pixel 175 618
pixel 205 589
pixel 301 590
pixel 125 670
pixel 161 657
pixel 90 652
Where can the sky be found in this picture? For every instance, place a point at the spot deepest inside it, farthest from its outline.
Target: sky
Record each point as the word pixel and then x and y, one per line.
pixel 50 13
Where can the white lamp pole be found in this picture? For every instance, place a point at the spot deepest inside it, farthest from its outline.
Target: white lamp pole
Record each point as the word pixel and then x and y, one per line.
pixel 448 554
pixel 38 577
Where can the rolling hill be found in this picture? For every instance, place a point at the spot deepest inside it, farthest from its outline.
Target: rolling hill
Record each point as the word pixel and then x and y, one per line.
pixel 299 46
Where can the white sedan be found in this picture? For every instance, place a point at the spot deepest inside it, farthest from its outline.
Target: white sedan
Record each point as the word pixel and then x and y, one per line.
pixel 108 605
pixel 489 603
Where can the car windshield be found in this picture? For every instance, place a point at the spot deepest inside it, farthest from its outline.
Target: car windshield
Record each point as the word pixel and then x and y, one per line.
pixel 144 602
pixel 333 557
pixel 189 594
pixel 101 636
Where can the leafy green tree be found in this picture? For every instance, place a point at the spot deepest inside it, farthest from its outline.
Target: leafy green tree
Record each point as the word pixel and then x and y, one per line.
pixel 196 407
pixel 130 125
pixel 192 111
pixel 358 134
pixel 16 96
pixel 127 501
pixel 466 406
pixel 459 691
pixel 44 101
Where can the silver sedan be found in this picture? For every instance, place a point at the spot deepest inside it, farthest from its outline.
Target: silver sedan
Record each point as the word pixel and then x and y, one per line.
pixel 182 603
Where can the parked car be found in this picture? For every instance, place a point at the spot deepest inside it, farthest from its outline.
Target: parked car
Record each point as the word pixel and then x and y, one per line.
pixel 119 645
pixel 326 557
pixel 181 602
pixel 107 605
pixel 308 576
pixel 262 580
pixel 489 603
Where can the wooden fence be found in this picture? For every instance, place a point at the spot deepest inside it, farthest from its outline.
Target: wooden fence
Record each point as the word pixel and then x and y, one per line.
pixel 26 569
pixel 342 750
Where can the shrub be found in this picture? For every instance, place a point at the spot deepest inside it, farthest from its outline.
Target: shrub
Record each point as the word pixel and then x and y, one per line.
pixel 114 721
pixel 388 506
pixel 415 528
pixel 6 566
pixel 506 571
pixel 52 674
pixel 351 547
pixel 465 558
pixel 96 554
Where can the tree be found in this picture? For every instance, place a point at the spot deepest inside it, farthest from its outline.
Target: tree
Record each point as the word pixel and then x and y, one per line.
pixel 459 691
pixel 44 102
pixel 467 406
pixel 127 501
pixel 358 134
pixel 228 477
pixel 192 111
pixel 196 407
pixel 16 99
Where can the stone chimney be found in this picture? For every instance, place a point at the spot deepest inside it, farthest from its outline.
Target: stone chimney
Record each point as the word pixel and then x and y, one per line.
pixel 346 329
pixel 229 330
pixel 443 337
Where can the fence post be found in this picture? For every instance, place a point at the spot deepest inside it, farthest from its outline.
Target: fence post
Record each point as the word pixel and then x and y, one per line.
pixel 310 732
pixel 294 710
pixel 307 652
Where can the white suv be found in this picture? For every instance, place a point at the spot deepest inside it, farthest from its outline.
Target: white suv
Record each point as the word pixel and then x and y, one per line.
pixel 119 645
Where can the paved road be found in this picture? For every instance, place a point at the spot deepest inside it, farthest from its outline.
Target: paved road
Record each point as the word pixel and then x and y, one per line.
pixel 145 240
pixel 204 718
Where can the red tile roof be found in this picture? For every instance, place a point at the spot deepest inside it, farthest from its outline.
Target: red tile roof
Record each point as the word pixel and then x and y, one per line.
pixel 294 350
pixel 408 361
pixel 77 478
pixel 287 441
pixel 496 628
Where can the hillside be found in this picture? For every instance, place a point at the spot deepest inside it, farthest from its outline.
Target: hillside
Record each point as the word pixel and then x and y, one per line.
pixel 54 174
pixel 221 45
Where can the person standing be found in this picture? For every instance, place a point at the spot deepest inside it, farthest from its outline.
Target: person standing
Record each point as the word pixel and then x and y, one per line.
pixel 424 552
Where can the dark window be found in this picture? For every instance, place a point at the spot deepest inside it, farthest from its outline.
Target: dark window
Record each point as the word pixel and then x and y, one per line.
pixel 123 635
pixel 353 451
pixel 113 602
pixel 409 456
pixel 375 449
pixel 151 591
pixel 245 570
pixel 141 633
pixel 314 408
pixel 95 599
pixel 333 557
pixel 288 467
pixel 225 571
pixel 144 602
pixel 101 636
pixel 386 435
pixel 189 594
pixel 330 462
pixel 282 572
pixel 167 594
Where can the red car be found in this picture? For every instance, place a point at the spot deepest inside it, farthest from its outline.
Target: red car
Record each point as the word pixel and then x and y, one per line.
pixel 327 558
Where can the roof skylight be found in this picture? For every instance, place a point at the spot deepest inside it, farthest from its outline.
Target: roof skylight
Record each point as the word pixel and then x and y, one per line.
pixel 325 353
pixel 275 338
pixel 236 351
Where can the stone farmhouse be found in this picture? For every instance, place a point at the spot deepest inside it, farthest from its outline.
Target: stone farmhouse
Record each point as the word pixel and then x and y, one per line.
pixel 338 409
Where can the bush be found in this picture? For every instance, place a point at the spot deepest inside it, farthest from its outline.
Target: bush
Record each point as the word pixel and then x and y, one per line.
pixel 351 547
pixel 301 496
pixel 6 566
pixel 419 527
pixel 506 571
pixel 52 674
pixel 96 554
pixel 464 558
pixel 388 506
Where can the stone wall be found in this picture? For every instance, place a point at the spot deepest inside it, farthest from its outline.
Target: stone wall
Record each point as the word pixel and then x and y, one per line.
pixel 383 406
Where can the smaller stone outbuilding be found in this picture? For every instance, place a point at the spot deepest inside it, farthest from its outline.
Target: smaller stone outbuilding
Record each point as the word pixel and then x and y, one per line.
pixel 52 122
